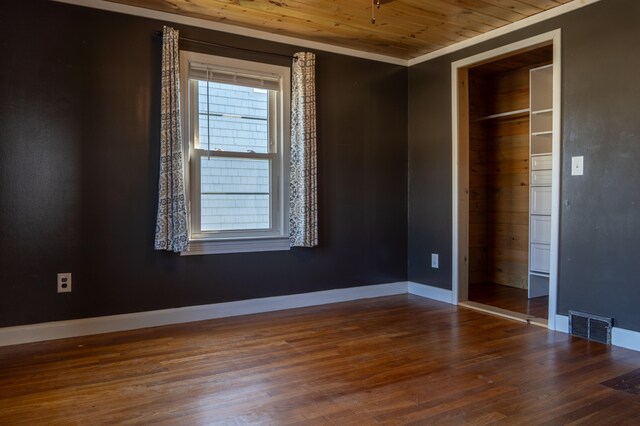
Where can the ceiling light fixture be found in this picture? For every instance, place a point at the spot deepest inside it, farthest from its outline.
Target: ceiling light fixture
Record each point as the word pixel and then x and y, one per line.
pixel 375 4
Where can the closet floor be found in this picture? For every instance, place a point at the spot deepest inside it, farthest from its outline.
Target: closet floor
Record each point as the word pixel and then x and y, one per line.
pixel 509 298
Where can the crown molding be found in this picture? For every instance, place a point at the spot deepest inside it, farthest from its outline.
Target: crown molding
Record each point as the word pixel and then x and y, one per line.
pixel 277 38
pixel 231 29
pixel 523 23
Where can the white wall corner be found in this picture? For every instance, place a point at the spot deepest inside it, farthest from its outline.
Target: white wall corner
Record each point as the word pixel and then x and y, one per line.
pixel 430 292
pixel 97 325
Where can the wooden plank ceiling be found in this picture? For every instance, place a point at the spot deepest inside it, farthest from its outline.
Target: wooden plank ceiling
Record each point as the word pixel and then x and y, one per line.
pixel 404 29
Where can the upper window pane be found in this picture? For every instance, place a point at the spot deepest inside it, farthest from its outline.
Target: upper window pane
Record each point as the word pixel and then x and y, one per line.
pixel 233 118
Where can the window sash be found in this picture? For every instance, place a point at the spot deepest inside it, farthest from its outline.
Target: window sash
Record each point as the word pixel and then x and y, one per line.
pixel 196 196
pixel 273 125
pixel 199 150
pixel 277 237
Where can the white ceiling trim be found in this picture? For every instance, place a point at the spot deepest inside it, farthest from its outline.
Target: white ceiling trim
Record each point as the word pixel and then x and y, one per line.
pixel 232 29
pixel 514 26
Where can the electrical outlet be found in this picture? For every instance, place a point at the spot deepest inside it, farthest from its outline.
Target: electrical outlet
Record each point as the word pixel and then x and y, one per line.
pixel 64 282
pixel 434 260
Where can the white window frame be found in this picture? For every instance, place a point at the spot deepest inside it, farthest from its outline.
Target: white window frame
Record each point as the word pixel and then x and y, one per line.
pixel 254 240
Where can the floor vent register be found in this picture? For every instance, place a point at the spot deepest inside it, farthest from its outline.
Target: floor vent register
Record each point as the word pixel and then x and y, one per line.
pixel 590 327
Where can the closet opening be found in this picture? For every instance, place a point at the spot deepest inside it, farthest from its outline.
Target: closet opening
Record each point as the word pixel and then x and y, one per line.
pixel 505 143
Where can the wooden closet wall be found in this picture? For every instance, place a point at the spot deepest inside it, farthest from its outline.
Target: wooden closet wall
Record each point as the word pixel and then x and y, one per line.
pixel 499 169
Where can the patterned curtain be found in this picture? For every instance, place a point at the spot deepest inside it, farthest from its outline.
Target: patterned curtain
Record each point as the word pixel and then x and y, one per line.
pixel 172 231
pixel 303 218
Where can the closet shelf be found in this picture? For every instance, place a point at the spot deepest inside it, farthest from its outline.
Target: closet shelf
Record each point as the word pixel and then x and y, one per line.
pixel 542 111
pixel 539 274
pixel 547 132
pixel 513 113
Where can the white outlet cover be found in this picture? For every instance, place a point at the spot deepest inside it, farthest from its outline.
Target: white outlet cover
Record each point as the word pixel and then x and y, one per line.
pixel 577 166
pixel 64 282
pixel 434 260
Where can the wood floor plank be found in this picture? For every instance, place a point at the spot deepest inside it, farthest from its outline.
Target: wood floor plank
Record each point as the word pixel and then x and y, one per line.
pixel 509 298
pixel 392 360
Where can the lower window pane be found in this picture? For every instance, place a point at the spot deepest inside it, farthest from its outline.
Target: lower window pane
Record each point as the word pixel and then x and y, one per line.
pixel 224 212
pixel 235 194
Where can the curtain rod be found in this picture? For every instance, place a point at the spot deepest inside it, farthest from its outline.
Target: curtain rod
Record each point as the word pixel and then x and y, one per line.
pixel 208 43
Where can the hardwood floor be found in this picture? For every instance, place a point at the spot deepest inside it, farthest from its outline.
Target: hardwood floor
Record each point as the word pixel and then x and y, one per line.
pixel 510 298
pixel 392 360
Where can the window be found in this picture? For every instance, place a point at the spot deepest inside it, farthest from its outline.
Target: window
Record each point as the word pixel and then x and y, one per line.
pixel 236 131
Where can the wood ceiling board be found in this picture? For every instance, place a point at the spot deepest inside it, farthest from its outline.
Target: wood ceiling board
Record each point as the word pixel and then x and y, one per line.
pixel 470 11
pixel 450 14
pixel 545 4
pixel 299 25
pixel 399 23
pixel 517 6
pixel 404 29
pixel 403 26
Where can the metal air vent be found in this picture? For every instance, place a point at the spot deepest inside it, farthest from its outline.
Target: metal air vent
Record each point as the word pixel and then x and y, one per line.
pixel 592 327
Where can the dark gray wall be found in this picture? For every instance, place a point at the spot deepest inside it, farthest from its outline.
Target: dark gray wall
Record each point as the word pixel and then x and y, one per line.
pixel 79 114
pixel 600 214
pixel 79 134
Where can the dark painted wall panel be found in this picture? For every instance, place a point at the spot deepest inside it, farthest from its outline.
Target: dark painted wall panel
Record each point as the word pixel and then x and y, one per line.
pixel 600 224
pixel 600 250
pixel 79 135
pixel 430 170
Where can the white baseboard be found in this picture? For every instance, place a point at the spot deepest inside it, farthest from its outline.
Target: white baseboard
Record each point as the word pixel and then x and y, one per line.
pixel 562 323
pixel 625 338
pixel 82 327
pixel 430 292
pixel 622 337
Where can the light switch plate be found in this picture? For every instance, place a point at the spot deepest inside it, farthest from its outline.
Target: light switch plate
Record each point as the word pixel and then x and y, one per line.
pixel 577 166
pixel 434 260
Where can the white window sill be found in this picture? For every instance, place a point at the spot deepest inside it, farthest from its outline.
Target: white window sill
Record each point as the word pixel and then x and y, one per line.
pixel 198 247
